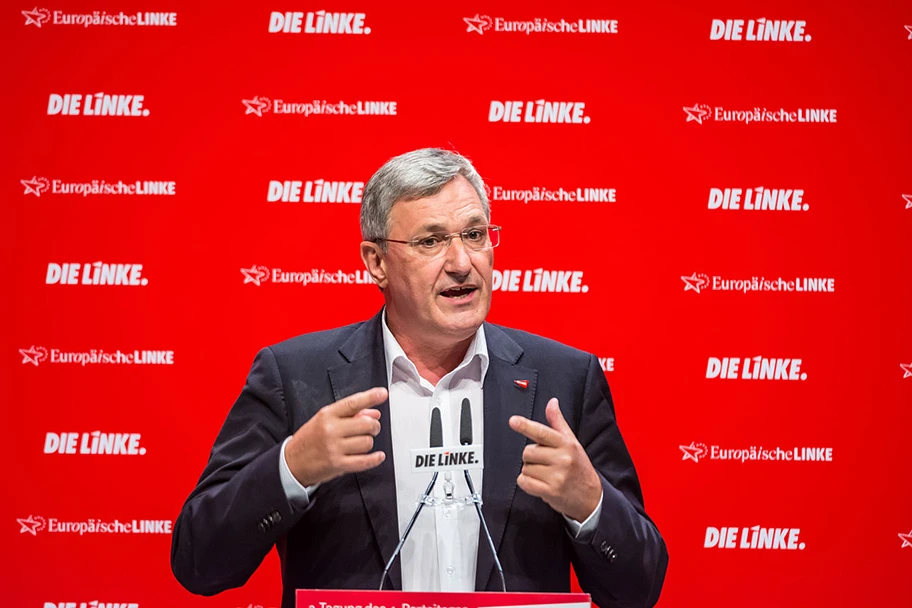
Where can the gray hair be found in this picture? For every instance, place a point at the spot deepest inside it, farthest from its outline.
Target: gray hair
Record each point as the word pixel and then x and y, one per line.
pixel 411 176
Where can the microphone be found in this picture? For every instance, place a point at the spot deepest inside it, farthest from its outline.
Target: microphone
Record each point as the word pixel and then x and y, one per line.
pixel 465 424
pixel 465 438
pixel 436 441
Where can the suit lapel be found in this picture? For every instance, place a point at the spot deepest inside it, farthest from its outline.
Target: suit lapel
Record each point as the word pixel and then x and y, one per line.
pixel 365 369
pixel 502 446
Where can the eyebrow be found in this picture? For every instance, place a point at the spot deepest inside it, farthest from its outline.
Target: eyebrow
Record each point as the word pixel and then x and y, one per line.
pixel 475 220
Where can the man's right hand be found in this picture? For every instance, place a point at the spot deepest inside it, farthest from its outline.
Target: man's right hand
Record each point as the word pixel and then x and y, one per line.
pixel 337 440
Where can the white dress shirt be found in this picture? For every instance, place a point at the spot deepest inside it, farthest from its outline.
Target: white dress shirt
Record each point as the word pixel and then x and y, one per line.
pixel 442 548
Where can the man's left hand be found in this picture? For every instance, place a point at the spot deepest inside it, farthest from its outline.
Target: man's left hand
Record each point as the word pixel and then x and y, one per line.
pixel 556 468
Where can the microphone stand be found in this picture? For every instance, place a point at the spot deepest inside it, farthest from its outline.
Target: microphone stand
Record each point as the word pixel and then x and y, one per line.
pixel 476 500
pixel 436 441
pixel 421 503
pixel 465 438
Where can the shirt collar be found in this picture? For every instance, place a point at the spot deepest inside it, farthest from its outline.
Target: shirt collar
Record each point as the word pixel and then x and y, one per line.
pixel 393 351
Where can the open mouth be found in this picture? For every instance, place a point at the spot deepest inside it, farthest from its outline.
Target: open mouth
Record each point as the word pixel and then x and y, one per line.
pixel 458 293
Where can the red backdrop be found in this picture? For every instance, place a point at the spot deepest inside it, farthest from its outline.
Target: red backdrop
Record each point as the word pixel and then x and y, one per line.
pixel 671 112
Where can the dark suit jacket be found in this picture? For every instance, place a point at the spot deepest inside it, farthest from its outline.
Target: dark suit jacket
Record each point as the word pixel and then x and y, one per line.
pixel 239 511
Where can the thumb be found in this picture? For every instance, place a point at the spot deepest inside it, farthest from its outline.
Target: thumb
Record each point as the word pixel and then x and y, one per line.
pixel 555 418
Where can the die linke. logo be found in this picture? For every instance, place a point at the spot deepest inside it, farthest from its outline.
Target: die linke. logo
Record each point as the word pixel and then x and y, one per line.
pixel 35 355
pixel 318 22
pixel 757 199
pixel 40 17
pixel 539 111
pixel 95 273
pixel 552 195
pixel 260 105
pixel 314 191
pixel 96 442
pixel 98 104
pixel 908 200
pixel 761 30
pixel 701 112
pixel 755 537
pixel 754 368
pixel 907 369
pixel 261 274
pixel 699 282
pixel 699 451
pixel 606 363
pixel 42 185
pixel 483 23
pixel 539 280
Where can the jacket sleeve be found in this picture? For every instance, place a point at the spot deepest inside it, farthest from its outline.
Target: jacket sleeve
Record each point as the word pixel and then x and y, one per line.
pixel 239 509
pixel 623 563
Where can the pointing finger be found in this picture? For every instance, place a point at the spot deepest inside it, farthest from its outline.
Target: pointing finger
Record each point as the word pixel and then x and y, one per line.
pixel 353 404
pixel 536 431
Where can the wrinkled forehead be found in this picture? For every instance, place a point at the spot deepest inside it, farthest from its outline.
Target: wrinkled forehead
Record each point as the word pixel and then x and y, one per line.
pixel 454 208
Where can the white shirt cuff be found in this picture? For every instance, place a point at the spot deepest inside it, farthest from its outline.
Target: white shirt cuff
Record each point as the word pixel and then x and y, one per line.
pixel 581 530
pixel 298 496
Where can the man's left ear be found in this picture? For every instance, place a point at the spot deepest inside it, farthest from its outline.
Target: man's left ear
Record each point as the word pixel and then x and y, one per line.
pixel 375 262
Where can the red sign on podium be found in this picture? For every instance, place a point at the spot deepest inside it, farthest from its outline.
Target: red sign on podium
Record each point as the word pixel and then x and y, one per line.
pixel 335 598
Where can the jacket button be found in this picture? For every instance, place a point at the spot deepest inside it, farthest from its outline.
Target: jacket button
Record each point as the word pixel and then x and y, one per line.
pixel 608 552
pixel 261 526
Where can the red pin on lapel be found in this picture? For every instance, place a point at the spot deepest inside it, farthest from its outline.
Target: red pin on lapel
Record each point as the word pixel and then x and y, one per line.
pixel 521 383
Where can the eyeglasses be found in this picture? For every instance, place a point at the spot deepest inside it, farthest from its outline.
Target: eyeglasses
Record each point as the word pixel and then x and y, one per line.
pixel 475 238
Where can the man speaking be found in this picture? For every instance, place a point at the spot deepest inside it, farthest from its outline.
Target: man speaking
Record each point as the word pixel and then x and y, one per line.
pixel 314 456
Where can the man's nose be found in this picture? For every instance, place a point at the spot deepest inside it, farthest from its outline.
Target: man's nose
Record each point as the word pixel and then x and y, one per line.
pixel 458 260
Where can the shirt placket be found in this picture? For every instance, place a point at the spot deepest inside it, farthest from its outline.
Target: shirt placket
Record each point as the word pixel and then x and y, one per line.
pixel 445 517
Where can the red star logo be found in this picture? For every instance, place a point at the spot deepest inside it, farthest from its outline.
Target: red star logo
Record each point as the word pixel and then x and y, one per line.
pixel 33 525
